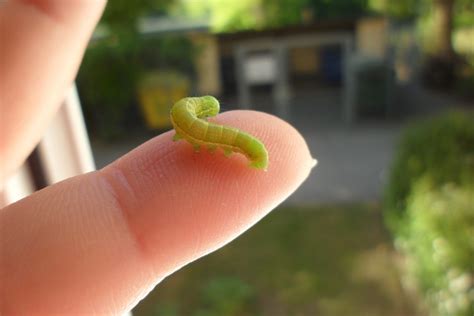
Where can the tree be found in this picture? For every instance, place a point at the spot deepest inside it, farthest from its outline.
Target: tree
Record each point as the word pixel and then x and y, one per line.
pixel 112 67
pixel 443 14
pixel 124 13
pixel 232 15
pixel 400 9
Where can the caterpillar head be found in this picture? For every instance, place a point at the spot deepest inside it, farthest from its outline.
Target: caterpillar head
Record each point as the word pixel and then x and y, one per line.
pixel 258 158
pixel 260 163
pixel 210 105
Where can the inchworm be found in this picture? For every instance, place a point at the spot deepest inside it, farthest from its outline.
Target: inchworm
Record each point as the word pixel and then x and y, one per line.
pixel 189 115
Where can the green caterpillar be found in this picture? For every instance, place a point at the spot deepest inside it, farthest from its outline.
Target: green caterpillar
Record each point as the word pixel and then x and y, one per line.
pixel 188 117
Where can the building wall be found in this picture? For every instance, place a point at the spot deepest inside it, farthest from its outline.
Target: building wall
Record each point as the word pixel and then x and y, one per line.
pixel 207 64
pixel 371 37
pixel 304 60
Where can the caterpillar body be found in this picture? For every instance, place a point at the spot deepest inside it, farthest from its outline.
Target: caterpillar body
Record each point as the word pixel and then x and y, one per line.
pixel 188 117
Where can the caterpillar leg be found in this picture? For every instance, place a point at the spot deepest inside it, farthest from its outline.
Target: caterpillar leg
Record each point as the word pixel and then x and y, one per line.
pixel 211 148
pixel 177 137
pixel 227 152
pixel 196 147
pixel 258 165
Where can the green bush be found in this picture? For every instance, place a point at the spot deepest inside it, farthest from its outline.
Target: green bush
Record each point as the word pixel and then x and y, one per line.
pixel 430 210
pixel 439 246
pixel 106 84
pixel 465 83
pixel 441 149
pixel 112 69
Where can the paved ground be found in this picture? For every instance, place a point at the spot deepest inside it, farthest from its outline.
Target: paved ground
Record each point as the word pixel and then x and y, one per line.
pixel 352 163
pixel 353 159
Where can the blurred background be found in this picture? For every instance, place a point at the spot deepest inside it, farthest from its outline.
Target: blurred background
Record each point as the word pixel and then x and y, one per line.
pixel 382 91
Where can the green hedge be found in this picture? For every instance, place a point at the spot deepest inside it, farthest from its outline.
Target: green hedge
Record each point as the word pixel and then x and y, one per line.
pixel 439 246
pixel 430 210
pixel 440 148
pixel 106 84
pixel 112 69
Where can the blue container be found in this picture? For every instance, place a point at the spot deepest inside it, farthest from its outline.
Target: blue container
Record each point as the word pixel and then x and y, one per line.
pixel 331 64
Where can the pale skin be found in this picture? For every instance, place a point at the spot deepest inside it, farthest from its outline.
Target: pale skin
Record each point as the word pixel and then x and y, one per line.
pixel 97 243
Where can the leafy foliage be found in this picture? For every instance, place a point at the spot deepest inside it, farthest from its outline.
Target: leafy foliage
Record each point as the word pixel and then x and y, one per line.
pixel 171 51
pixel 430 209
pixel 440 149
pixel 405 9
pixel 224 15
pixel 124 14
pixel 440 246
pixel 399 9
pixel 230 15
pixel 338 9
pixel 105 83
pixel 114 64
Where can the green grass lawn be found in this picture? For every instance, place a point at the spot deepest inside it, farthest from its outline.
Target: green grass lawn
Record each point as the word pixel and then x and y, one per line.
pixel 333 260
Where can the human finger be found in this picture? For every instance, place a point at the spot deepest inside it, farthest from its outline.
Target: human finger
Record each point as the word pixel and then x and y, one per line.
pixel 99 242
pixel 42 43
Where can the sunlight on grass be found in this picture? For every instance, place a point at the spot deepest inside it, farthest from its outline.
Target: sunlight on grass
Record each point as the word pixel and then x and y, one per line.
pixel 297 261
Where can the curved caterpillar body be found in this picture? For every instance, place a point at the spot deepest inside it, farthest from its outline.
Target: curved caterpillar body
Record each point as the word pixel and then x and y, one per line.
pixel 188 118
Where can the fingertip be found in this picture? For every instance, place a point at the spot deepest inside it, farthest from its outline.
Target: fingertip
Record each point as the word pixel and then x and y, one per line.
pixel 203 196
pixel 286 147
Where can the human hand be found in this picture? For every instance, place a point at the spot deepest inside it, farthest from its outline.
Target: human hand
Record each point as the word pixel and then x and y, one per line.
pixel 97 243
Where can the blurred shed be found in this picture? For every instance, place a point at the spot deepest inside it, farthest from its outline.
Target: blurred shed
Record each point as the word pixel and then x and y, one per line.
pixel 278 57
pixel 303 60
